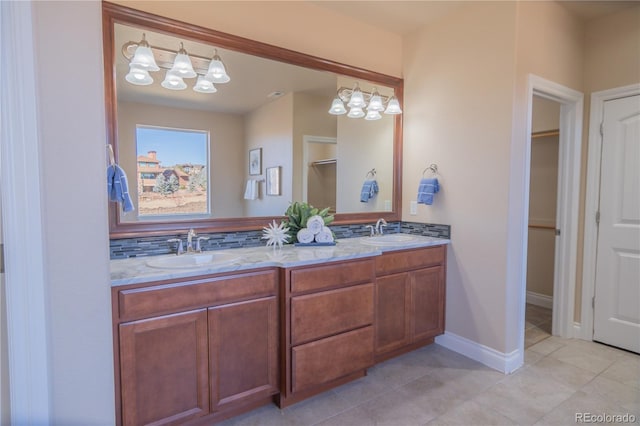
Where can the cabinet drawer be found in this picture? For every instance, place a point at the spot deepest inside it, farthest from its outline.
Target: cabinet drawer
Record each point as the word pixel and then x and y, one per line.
pixel 331 358
pixel 318 315
pixel 333 275
pixel 407 260
pixel 174 297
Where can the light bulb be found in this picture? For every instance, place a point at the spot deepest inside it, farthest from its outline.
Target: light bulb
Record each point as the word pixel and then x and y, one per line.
pixel 204 85
pixel 173 81
pixel 375 104
pixel 355 112
pixel 143 57
pixel 217 73
pixel 372 115
pixel 138 76
pixel 337 107
pixel 182 64
pixel 393 107
pixel 357 99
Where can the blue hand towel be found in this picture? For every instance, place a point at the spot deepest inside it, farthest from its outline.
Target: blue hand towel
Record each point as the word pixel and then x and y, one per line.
pixel 118 188
pixel 369 190
pixel 426 189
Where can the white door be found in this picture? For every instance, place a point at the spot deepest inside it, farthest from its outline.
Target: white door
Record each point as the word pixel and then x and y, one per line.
pixel 617 293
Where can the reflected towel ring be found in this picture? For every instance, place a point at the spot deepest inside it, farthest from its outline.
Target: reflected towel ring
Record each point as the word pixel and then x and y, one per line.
pixel 433 168
pixel 371 172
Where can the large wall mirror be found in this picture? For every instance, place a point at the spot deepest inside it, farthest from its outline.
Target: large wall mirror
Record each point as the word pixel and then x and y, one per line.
pixel 231 152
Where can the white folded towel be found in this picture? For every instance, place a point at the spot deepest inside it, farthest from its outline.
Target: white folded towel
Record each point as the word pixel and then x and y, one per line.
pixel 315 224
pixel 325 235
pixel 305 236
pixel 251 190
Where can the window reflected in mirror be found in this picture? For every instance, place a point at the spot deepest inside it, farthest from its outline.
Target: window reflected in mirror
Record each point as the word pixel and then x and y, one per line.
pixel 172 172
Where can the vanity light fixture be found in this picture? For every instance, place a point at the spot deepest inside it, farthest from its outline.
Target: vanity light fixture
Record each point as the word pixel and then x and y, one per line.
pixel 144 58
pixel 357 101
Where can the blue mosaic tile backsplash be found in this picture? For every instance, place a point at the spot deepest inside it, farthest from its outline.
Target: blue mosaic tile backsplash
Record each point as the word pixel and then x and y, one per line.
pixel 151 246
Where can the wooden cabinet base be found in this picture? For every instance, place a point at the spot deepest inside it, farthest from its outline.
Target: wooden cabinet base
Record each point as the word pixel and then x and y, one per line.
pixel 403 350
pixel 284 401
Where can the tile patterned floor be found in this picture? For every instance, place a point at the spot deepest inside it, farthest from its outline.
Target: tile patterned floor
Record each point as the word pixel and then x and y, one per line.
pixel 435 386
pixel 537 324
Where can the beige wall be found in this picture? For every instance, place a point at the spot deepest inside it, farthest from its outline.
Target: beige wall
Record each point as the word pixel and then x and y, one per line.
pixel 295 25
pixel 226 152
pixel 74 203
pixel 270 127
pixel 459 79
pixel 612 50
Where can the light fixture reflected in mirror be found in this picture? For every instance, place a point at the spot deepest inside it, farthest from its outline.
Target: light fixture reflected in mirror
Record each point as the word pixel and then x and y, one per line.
pixel 173 81
pixel 179 65
pixel 182 64
pixel 357 100
pixel 217 72
pixel 204 85
pixel 138 76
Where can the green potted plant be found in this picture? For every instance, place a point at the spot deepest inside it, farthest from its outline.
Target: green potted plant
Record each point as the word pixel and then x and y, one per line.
pixel 299 213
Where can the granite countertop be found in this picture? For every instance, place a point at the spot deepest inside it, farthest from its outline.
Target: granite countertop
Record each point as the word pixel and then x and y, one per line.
pixel 136 270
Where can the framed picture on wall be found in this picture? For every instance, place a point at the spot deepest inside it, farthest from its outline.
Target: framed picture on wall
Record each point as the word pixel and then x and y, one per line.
pixel 255 161
pixel 273 181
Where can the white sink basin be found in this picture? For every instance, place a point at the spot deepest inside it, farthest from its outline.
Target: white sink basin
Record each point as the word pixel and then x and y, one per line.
pixel 388 240
pixel 187 261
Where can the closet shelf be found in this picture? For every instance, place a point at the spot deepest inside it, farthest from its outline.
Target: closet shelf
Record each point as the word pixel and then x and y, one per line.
pixel 545 133
pixel 323 162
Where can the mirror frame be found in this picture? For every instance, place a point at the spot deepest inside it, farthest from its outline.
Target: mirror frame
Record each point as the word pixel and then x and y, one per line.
pixel 113 13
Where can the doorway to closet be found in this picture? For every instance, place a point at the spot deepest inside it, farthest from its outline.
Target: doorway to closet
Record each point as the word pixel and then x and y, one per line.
pixel 543 194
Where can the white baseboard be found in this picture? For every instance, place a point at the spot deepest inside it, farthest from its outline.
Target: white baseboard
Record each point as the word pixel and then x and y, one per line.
pixel 503 362
pixel 541 300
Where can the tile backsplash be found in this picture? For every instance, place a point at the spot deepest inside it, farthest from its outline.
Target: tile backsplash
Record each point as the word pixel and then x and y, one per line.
pixel 150 246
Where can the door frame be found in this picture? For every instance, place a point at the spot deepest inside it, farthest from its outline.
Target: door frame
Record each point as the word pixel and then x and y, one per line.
pixel 569 161
pixel 592 201
pixel 306 139
pixel 25 280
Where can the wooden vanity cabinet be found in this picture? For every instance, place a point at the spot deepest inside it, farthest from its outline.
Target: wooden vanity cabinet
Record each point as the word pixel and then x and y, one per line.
pixel 196 351
pixel 327 333
pixel 409 299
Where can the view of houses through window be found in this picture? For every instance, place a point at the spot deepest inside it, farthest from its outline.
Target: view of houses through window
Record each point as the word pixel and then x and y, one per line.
pixel 172 171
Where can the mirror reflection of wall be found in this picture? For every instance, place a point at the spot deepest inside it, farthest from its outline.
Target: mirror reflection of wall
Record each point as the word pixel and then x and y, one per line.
pixel 266 104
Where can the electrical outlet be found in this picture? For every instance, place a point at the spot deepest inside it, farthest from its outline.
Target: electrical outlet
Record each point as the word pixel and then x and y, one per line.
pixel 413 208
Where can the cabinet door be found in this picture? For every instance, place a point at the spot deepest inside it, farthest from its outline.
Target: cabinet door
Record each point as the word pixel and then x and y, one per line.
pixel 427 303
pixel 393 304
pixel 164 370
pixel 243 351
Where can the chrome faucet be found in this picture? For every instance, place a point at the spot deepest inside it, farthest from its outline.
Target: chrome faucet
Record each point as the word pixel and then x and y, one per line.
pixel 379 225
pixel 179 249
pixel 190 236
pixel 371 228
pixel 198 246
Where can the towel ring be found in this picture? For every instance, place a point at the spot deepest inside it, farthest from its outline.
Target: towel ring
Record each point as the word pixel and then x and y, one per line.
pixel 433 168
pixel 371 172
